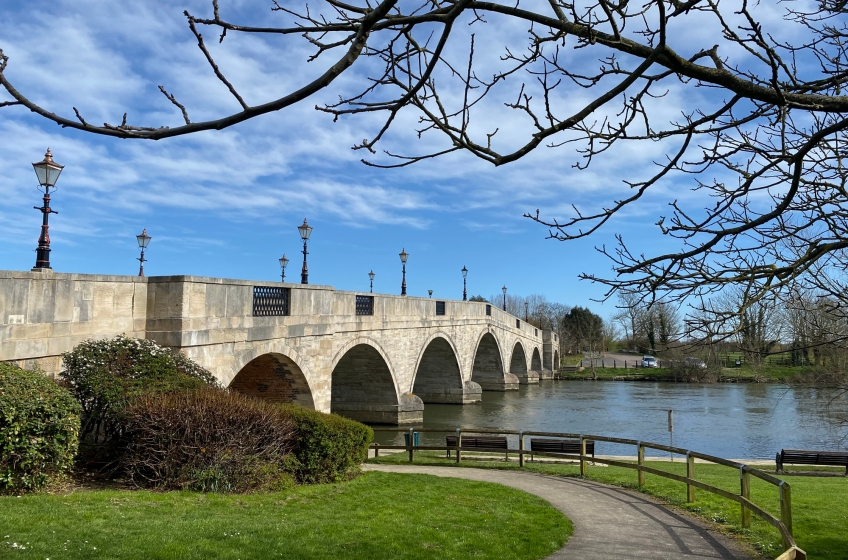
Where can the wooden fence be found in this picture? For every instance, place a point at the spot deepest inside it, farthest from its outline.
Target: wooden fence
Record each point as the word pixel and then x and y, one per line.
pixel 743 498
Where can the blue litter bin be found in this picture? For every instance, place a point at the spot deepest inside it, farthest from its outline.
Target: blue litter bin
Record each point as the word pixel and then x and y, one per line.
pixel 414 439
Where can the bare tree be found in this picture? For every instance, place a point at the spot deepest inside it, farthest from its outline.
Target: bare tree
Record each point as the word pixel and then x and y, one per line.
pixel 761 126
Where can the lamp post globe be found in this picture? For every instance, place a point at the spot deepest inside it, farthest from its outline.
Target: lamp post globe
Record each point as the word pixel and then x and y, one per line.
pixel 403 256
pixel 464 274
pixel 371 276
pixel 284 262
pixel 305 231
pixel 504 293
pixel 143 241
pixel 47 172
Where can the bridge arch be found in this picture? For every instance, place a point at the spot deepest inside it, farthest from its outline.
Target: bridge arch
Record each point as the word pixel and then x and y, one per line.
pixel 518 361
pixel 488 368
pixel 275 372
pixel 536 361
pixel 364 387
pixel 437 377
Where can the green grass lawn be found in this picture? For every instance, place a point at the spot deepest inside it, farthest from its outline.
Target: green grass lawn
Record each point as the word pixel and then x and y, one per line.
pixel 819 503
pixel 378 515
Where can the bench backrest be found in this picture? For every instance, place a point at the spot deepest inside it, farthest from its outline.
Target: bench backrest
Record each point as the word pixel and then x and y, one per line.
pixel 548 445
pixel 803 457
pixel 478 441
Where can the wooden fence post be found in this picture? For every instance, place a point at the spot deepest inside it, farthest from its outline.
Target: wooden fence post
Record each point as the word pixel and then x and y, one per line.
pixel 582 455
pixel 690 473
pixel 458 442
pixel 745 483
pixel 411 443
pixel 786 508
pixel 521 449
pixel 640 461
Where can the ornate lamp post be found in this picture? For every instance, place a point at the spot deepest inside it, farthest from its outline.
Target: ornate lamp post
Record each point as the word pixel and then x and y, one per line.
pixel 403 256
pixel 284 262
pixel 305 232
pixel 464 274
pixel 371 276
pixel 504 292
pixel 143 241
pixel 430 292
pixel 47 172
pixel 526 312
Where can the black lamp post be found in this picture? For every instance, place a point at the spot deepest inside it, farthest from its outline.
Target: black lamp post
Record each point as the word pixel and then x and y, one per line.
pixel 47 172
pixel 371 276
pixel 403 256
pixel 284 262
pixel 526 312
pixel 504 292
pixel 143 242
pixel 430 292
pixel 305 232
pixel 464 274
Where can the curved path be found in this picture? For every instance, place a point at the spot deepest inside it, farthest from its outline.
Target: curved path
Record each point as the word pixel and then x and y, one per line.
pixel 609 522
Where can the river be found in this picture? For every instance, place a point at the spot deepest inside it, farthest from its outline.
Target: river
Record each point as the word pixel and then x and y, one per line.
pixel 738 421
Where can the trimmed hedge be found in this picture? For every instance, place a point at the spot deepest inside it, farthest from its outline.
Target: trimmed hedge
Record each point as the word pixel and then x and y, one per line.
pixel 105 375
pixel 328 448
pixel 208 440
pixel 39 429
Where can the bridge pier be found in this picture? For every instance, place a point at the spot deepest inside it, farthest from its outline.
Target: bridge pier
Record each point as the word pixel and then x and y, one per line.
pixel 528 378
pixel 410 410
pixel 470 392
pixel 508 383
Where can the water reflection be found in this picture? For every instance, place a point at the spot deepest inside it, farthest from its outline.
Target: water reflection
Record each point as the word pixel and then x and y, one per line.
pixel 751 421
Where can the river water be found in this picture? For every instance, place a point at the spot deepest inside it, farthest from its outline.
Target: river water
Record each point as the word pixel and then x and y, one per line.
pixel 738 421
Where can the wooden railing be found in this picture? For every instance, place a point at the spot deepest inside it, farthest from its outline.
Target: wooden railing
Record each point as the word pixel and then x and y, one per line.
pixel 783 525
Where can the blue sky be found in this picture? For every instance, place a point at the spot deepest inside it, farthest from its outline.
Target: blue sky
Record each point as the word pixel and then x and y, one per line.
pixel 227 203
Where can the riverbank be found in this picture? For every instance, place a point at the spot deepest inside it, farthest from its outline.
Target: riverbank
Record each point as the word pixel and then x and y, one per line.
pixel 663 375
pixel 744 374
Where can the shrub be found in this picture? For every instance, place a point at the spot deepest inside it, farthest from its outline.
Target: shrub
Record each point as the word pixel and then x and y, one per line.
pixel 328 448
pixel 39 428
pixel 209 440
pixel 106 375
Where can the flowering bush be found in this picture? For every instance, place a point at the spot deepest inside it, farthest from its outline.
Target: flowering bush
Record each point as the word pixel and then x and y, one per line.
pixel 39 428
pixel 106 375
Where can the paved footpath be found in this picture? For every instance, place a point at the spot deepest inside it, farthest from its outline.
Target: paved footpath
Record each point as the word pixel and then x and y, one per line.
pixel 610 523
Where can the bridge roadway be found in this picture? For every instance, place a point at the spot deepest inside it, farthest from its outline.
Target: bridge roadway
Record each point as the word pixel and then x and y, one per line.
pixel 373 357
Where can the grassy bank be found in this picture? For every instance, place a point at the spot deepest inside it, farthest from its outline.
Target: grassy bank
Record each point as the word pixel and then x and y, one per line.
pixel 819 503
pixel 377 515
pixel 744 374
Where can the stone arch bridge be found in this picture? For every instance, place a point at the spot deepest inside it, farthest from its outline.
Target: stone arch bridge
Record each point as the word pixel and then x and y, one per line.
pixel 373 357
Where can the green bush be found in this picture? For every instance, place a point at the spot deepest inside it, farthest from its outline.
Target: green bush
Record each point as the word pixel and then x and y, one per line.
pixel 208 440
pixel 106 375
pixel 39 429
pixel 328 448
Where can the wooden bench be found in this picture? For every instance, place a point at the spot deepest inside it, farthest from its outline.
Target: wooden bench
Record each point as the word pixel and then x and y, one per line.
pixel 799 457
pixel 570 446
pixel 487 442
